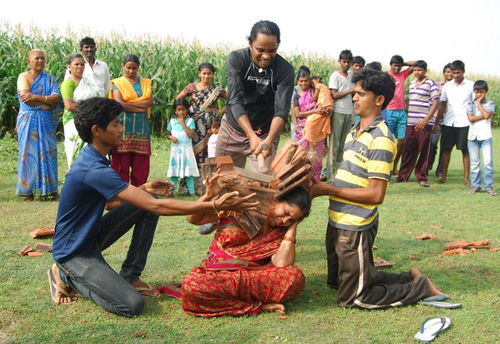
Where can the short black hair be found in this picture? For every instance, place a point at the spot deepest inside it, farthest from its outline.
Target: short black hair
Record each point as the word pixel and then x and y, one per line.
pixel 380 83
pixel 180 101
pixel 397 59
pixel 87 41
pixel 375 65
pixel 207 65
pixel 457 64
pixel 299 197
pixel 446 66
pixel 359 60
pixel 345 55
pixel 318 78
pixel 264 27
pixel 420 64
pixel 95 111
pixel 480 85
pixel 131 58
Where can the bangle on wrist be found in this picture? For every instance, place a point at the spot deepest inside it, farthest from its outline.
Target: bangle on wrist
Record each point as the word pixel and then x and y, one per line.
pixel 293 241
pixel 215 209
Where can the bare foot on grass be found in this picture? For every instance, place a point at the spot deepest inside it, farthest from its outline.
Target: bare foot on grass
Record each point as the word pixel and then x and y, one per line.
pixel 274 307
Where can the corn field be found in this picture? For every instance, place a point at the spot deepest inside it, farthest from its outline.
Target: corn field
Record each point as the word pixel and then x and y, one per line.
pixel 170 63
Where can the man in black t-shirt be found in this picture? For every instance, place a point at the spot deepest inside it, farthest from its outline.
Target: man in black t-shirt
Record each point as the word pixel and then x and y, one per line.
pixel 260 86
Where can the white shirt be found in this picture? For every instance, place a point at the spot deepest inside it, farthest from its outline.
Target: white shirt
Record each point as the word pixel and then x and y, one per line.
pixel 481 130
pixel 98 74
pixel 212 143
pixel 342 83
pixel 459 98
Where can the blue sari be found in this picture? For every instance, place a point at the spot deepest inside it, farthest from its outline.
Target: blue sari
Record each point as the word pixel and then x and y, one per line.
pixel 36 128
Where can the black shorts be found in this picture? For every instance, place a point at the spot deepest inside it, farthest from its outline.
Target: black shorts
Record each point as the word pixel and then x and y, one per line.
pixel 452 136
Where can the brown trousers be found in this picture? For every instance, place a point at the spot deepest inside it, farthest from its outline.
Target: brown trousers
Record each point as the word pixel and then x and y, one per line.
pixel 351 270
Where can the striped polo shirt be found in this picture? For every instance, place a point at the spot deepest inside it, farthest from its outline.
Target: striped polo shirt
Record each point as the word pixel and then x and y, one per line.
pixel 370 155
pixel 421 96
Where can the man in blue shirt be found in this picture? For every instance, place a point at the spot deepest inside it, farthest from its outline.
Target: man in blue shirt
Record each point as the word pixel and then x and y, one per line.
pixel 83 232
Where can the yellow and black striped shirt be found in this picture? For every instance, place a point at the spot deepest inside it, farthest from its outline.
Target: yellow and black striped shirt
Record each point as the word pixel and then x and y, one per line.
pixel 370 155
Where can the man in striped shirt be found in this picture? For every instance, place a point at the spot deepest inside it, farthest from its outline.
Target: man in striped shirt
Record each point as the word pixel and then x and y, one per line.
pixel 355 193
pixel 424 102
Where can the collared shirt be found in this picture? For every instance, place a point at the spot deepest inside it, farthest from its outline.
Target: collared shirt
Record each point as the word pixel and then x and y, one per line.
pixel 89 184
pixel 367 156
pixel 261 94
pixel 342 83
pixel 97 74
pixel 422 94
pixel 481 130
pixel 459 98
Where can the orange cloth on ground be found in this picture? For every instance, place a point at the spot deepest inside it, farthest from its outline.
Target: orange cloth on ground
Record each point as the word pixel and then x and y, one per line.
pixel 127 91
pixel 317 126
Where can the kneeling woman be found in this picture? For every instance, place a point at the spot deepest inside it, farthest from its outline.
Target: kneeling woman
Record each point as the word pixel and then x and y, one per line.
pixel 244 275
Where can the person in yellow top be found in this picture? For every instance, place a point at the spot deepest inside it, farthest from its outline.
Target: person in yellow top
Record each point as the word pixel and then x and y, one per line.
pixel 355 193
pixel 131 158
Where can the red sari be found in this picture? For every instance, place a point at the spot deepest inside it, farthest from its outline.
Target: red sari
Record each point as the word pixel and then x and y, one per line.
pixel 238 276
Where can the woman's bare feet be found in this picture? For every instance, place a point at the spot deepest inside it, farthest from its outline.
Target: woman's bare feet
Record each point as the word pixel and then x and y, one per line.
pixel 60 293
pixel 274 307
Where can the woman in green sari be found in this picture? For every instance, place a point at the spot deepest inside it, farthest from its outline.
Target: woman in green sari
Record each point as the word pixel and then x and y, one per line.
pixel 73 90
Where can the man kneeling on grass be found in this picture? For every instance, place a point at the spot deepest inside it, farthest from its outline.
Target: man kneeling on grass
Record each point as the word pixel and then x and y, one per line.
pixel 357 189
pixel 83 232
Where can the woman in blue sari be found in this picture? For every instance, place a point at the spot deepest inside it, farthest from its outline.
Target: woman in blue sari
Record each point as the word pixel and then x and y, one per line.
pixel 36 125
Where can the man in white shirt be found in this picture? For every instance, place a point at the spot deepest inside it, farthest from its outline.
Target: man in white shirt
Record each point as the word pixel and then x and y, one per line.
pixel 456 99
pixel 95 70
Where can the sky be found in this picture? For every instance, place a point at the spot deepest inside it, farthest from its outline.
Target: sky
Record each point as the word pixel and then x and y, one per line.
pixel 437 31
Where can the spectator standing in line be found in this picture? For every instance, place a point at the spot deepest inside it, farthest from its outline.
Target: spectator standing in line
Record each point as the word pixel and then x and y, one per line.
pixel 479 139
pixel 456 98
pixel 96 71
pixel 395 113
pixel 424 101
pixel 436 133
pixel 342 88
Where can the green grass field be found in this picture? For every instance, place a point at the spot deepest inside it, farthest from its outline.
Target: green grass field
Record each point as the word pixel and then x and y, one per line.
pixel 27 314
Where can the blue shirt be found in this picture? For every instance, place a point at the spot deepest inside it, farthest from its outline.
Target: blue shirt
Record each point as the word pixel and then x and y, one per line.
pixel 88 185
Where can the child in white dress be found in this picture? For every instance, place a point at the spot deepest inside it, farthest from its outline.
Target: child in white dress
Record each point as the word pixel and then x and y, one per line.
pixel 180 130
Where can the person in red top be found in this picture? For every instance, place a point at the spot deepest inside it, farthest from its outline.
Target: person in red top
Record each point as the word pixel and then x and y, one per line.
pixel 395 114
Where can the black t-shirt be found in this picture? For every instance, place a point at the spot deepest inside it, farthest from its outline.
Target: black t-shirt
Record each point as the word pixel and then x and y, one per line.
pixel 262 95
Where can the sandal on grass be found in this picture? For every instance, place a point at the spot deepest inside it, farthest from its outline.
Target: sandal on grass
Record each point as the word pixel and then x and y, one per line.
pixel 431 328
pixel 474 190
pixel 441 301
pixel 172 289
pixel 491 192
pixel 145 289
pixel 59 291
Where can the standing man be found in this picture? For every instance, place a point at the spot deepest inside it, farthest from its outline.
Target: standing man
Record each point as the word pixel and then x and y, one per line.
pixel 342 88
pixel 395 113
pixel 260 86
pixel 424 102
pixel 95 70
pixel 358 188
pixel 436 132
pixel 456 98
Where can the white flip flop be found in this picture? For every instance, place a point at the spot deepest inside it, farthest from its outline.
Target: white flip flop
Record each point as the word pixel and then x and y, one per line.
pixel 431 328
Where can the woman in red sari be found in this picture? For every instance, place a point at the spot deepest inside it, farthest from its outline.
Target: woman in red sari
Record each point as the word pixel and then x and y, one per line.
pixel 244 275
